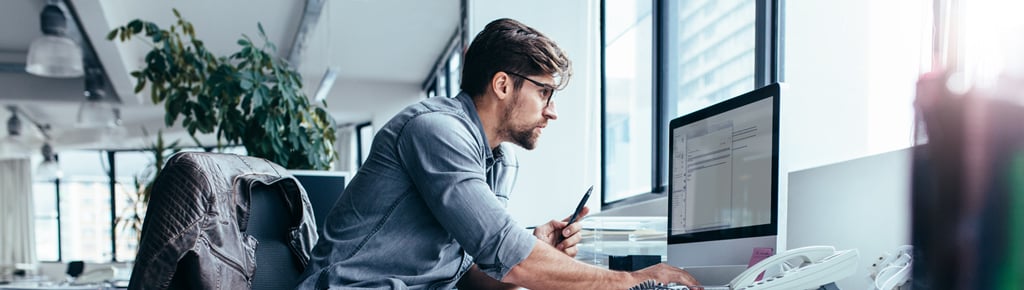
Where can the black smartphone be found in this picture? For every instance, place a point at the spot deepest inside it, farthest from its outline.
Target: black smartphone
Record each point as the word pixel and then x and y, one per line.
pixel 579 207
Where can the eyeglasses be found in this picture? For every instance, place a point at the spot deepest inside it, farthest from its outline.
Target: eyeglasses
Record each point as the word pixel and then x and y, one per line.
pixel 549 90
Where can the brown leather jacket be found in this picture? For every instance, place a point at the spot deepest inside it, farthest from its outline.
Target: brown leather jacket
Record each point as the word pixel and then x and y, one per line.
pixel 194 232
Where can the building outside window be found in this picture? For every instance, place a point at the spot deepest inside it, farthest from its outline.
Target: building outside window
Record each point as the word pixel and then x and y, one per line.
pixel 664 59
pixel 74 216
pixel 628 89
pixel 73 213
pixel 710 55
pixel 47 225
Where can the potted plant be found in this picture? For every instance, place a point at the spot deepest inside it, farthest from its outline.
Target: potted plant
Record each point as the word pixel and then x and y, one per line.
pixel 129 221
pixel 250 97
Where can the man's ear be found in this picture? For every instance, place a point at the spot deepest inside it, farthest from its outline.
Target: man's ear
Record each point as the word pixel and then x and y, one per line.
pixel 501 83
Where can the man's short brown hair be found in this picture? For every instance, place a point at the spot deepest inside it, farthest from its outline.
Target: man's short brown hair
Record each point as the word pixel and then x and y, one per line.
pixel 510 46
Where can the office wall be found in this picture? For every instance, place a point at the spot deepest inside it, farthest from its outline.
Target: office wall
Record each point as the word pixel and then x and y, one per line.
pixel 387 98
pixel 567 160
pixel 851 67
pixel 861 204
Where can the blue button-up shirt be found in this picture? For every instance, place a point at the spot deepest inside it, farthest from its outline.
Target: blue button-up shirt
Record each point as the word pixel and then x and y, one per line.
pixel 428 203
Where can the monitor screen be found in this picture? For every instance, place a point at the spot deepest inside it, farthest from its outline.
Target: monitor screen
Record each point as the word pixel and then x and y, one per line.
pixel 723 182
pixel 323 189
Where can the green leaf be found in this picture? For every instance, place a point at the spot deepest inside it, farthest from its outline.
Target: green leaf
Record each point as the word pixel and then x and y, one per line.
pixel 169 119
pixel 135 26
pixel 246 84
pixel 152 29
pixel 112 34
pixel 153 95
pixel 141 84
pixel 249 97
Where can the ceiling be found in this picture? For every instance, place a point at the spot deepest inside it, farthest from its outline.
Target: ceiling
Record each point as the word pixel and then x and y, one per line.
pixel 374 45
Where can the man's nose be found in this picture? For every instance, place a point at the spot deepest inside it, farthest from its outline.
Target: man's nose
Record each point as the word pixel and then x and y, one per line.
pixel 549 111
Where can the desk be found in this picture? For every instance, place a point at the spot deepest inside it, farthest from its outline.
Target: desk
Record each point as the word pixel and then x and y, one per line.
pixel 605 236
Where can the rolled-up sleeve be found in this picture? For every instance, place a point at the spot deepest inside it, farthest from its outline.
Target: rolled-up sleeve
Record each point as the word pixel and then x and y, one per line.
pixel 445 161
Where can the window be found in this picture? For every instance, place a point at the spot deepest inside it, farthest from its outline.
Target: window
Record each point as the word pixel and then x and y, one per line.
pixel 77 215
pixel 132 169
pixel 447 73
pixel 711 59
pixel 84 207
pixel 47 221
pixel 663 59
pixel 454 72
pixel 628 96
pixel 364 138
pixel 442 85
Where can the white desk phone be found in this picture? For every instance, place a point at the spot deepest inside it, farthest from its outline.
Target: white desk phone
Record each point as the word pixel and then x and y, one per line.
pixel 796 269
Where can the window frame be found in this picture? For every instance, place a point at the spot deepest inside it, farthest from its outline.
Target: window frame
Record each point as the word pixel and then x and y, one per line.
pixel 111 175
pixel 111 182
pixel 56 192
pixel 360 155
pixel 442 71
pixel 767 69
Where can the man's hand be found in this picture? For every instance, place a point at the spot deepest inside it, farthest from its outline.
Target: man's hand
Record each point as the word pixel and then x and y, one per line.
pixel 563 238
pixel 666 273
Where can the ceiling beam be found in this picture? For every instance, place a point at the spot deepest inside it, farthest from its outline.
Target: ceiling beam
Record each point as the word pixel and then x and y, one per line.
pixel 89 57
pixel 310 17
pixel 90 17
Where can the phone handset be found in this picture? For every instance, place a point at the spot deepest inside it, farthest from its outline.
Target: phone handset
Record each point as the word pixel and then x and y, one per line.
pixel 802 268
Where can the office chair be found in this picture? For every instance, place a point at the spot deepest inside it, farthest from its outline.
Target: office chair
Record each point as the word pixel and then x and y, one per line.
pixel 224 221
pixel 276 266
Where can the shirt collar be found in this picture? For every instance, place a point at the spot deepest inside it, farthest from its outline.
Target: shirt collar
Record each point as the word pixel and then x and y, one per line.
pixel 467 101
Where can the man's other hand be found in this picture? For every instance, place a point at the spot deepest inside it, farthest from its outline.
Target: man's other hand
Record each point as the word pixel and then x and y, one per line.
pixel 666 273
pixel 565 239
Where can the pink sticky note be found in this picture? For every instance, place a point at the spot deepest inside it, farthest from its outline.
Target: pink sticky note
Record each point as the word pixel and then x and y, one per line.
pixel 758 255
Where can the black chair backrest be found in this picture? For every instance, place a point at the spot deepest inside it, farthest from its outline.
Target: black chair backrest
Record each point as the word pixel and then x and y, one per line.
pixel 175 255
pixel 269 217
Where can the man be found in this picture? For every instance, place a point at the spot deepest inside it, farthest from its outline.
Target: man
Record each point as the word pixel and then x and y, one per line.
pixel 426 210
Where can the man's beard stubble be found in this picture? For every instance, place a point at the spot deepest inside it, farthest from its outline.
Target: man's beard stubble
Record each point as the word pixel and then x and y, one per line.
pixel 523 137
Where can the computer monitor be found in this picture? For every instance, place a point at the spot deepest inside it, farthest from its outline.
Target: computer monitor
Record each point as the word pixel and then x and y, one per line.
pixel 723 181
pixel 323 189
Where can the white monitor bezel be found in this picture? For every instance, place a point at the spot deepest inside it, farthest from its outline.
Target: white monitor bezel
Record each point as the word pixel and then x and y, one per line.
pixel 732 245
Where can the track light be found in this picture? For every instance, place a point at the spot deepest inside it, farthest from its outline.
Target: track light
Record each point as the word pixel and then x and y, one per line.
pixel 14 145
pixel 95 111
pixel 54 54
pixel 13 123
pixel 48 169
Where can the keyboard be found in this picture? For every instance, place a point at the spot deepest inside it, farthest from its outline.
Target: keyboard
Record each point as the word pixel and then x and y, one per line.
pixel 680 287
pixel 654 285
